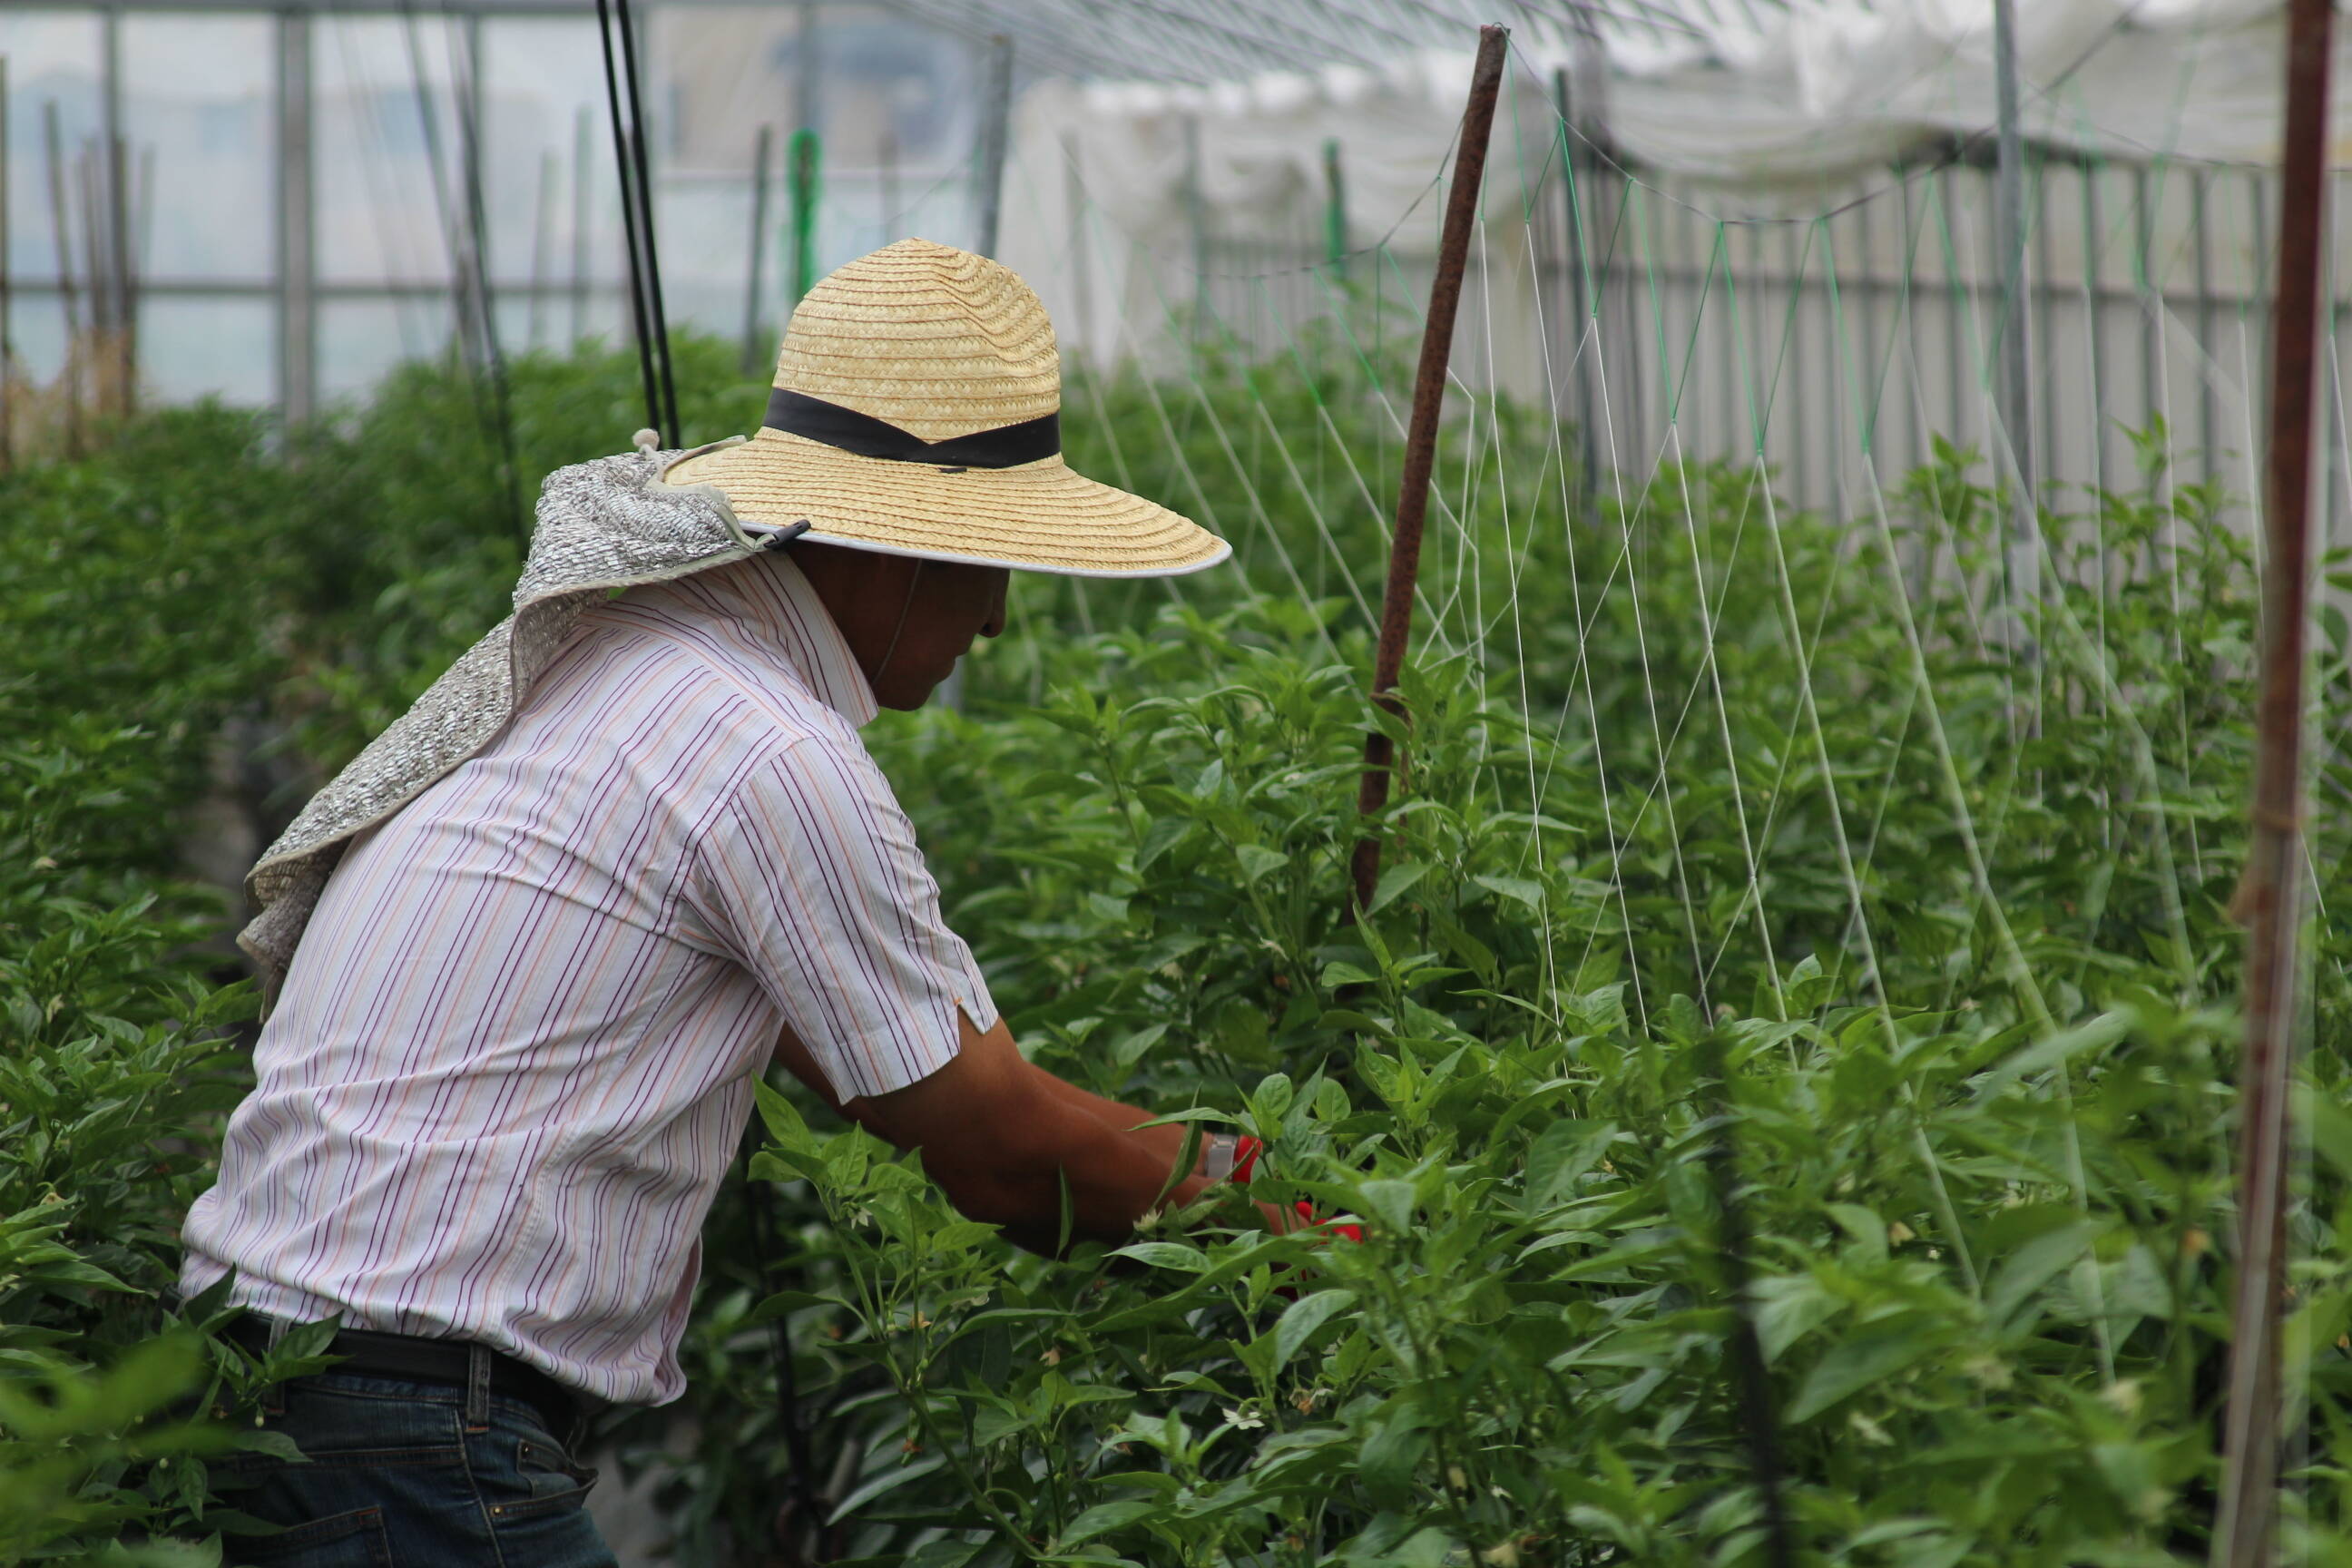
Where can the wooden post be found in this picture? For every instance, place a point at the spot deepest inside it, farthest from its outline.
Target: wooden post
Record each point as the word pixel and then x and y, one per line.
pixel 1421 443
pixel 2269 896
pixel 754 349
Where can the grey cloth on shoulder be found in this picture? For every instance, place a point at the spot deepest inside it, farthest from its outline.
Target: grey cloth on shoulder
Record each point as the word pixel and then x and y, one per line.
pixel 602 526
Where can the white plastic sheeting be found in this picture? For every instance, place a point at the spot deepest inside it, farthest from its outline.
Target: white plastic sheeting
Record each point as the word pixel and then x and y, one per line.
pixel 1781 119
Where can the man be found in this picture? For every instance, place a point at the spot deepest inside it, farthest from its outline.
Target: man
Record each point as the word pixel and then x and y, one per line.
pixel 554 923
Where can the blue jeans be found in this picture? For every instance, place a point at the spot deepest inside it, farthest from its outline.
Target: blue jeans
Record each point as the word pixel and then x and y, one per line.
pixel 399 1478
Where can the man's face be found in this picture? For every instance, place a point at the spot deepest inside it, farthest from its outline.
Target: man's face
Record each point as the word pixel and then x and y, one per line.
pixel 907 621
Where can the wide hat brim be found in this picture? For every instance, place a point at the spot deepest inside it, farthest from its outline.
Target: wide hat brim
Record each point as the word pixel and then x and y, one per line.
pixel 1036 517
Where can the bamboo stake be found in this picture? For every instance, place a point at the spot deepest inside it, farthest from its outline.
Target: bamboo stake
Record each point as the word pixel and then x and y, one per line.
pixel 2269 894
pixel 1420 441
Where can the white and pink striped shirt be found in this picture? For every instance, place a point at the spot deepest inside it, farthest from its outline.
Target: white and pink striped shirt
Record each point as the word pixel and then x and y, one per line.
pixel 515 1048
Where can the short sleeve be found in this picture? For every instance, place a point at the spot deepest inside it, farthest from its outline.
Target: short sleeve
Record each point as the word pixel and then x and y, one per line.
pixel 810 876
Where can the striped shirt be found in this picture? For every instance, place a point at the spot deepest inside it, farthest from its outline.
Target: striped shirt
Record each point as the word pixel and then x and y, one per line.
pixel 517 1045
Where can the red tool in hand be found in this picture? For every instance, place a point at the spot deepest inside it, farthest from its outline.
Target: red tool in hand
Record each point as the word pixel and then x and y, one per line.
pixel 1234 1157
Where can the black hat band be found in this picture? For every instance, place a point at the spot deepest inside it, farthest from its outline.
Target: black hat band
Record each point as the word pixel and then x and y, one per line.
pixel 1008 446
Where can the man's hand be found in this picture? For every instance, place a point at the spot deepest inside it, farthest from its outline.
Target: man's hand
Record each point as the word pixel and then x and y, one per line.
pixel 1002 1137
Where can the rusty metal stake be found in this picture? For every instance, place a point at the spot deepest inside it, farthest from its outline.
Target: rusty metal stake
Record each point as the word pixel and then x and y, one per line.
pixel 1421 440
pixel 2269 893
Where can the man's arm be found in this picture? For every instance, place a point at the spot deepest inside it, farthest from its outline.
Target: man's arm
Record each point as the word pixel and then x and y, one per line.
pixel 1000 1136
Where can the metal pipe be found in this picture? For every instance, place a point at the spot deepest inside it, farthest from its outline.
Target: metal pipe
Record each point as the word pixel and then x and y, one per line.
pixel 1335 208
pixel 61 237
pixel 7 357
pixel 2269 893
pixel 988 158
pixel 1420 441
pixel 753 348
pixel 803 169
pixel 298 308
pixel 2208 417
pixel 542 239
pixel 1580 285
pixel 1082 288
pixel 2012 374
pixel 580 222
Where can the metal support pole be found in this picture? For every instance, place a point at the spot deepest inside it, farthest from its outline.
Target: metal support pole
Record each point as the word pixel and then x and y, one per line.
pixel 70 374
pixel 111 258
pixel 2013 371
pixel 1421 443
pixel 1335 208
pixel 988 158
pixel 542 239
pixel 297 300
pixel 1581 350
pixel 754 348
pixel 581 225
pixel 1082 288
pixel 2269 895
pixel 7 352
pixel 803 171
pixel 808 70
pixel 1196 218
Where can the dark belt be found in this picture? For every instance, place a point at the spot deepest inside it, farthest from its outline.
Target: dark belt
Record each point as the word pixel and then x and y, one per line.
pixel 367 1354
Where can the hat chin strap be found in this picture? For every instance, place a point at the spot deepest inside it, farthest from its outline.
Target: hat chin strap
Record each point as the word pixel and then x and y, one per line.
pixel 913 583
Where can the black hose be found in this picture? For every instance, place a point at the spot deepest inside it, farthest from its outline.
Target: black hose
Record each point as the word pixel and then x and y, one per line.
pixel 629 217
pixel 669 429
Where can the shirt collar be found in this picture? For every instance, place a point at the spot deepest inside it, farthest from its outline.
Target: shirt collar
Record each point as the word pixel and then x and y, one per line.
pixel 774 596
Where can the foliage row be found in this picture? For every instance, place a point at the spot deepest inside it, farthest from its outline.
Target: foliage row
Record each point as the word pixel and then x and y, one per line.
pixel 1794 1031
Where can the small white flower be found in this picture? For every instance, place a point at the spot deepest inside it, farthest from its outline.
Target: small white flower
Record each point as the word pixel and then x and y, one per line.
pixel 1243 1419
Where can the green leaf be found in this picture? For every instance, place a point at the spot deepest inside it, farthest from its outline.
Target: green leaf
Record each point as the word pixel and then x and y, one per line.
pixel 1172 1254
pixel 1258 862
pixel 1561 1153
pixel 2035 1264
pixel 888 1481
pixel 1395 882
pixel 1854 1364
pixel 1390 1203
pixel 1517 889
pixel 1104 1517
pixel 1302 1318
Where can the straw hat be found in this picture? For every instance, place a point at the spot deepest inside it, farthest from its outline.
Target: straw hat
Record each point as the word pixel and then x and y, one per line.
pixel 916 412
